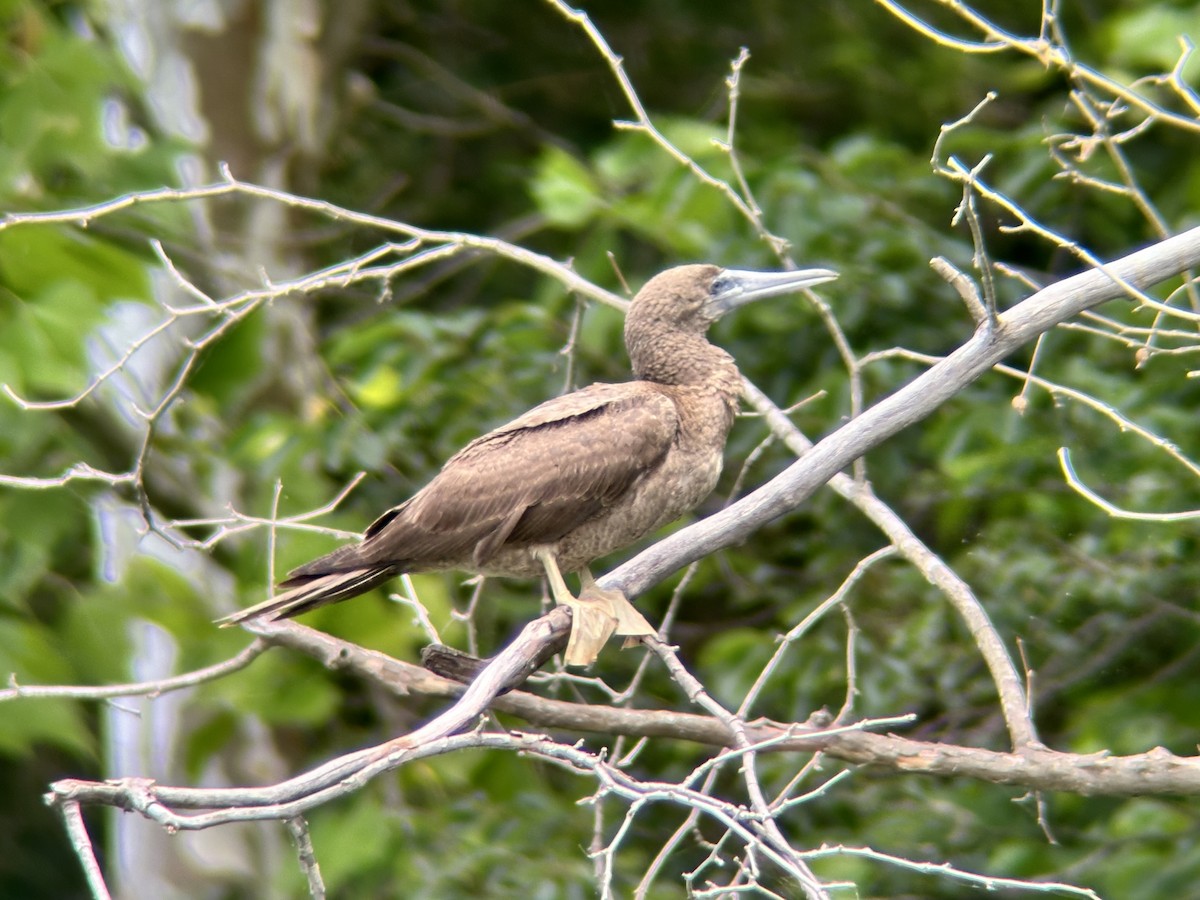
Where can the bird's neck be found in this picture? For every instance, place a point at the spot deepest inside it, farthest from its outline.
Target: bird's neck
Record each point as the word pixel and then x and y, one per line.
pixel 684 360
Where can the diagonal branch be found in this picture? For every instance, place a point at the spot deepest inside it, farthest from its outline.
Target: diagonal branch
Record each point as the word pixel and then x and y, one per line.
pixel 912 403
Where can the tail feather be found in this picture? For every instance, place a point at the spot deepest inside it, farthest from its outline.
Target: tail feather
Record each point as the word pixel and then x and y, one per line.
pixel 343 559
pixel 311 591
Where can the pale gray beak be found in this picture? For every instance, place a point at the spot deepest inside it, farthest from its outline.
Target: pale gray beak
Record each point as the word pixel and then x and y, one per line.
pixel 737 287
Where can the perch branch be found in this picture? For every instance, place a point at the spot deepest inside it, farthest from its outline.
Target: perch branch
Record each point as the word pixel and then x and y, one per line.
pixel 910 404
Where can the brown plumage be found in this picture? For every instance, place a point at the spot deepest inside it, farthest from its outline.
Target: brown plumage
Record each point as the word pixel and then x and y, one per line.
pixel 577 477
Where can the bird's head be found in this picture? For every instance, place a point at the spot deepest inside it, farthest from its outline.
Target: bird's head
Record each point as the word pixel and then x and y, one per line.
pixel 690 298
pixel 666 322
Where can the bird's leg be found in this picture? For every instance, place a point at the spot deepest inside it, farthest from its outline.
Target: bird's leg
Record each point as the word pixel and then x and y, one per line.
pixel 593 619
pixel 630 622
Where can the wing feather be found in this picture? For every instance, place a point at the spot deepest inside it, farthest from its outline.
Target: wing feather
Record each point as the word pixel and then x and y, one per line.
pixel 560 464
pixel 531 481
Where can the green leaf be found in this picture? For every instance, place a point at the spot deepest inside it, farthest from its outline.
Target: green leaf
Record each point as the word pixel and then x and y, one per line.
pixel 381 389
pixel 282 690
pixel 1150 37
pixel 564 189
pixel 55 288
pixel 28 653
pixel 350 839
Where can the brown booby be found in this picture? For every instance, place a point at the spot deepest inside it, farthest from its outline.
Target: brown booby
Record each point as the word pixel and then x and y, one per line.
pixel 575 478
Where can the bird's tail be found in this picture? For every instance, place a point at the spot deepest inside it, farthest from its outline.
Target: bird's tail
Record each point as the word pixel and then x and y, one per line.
pixel 309 591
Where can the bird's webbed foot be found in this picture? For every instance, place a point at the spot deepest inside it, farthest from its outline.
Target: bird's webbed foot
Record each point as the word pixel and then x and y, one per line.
pixel 593 622
pixel 596 615
pixel 630 622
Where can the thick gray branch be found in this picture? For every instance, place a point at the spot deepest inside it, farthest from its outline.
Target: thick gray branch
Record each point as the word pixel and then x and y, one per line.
pixel 913 402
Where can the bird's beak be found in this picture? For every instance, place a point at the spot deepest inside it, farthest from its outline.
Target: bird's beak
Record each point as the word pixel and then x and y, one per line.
pixel 737 287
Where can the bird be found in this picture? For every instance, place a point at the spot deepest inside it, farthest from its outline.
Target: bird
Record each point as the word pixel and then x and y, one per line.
pixel 575 478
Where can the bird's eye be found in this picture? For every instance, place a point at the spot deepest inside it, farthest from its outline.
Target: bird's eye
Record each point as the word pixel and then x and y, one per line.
pixel 720 285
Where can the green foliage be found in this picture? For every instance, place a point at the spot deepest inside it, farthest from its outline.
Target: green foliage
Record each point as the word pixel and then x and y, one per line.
pixel 494 838
pixel 55 285
pixel 58 90
pixel 28 648
pixel 1146 41
pixel 631 187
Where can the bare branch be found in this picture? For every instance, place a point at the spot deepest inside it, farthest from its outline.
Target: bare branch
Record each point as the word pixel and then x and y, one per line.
pixel 1047 52
pixel 987 882
pixel 1123 423
pixel 82 843
pixel 963 285
pixel 1034 768
pixel 838 596
pixel 298 828
pixel 1077 485
pixel 910 404
pixel 141 688
pixel 645 125
pixel 932 567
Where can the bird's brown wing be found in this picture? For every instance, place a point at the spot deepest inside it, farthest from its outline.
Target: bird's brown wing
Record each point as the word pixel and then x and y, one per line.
pixel 531 481
pixel 528 482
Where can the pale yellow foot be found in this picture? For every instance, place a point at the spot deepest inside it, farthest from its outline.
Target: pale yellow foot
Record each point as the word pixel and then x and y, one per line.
pixel 630 622
pixel 596 614
pixel 592 624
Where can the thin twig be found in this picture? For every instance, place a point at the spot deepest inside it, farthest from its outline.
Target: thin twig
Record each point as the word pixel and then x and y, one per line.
pixel 298 828
pixel 82 844
pixel 149 689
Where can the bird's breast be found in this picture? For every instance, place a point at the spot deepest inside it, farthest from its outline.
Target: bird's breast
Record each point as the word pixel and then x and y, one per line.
pixel 686 475
pixel 680 480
